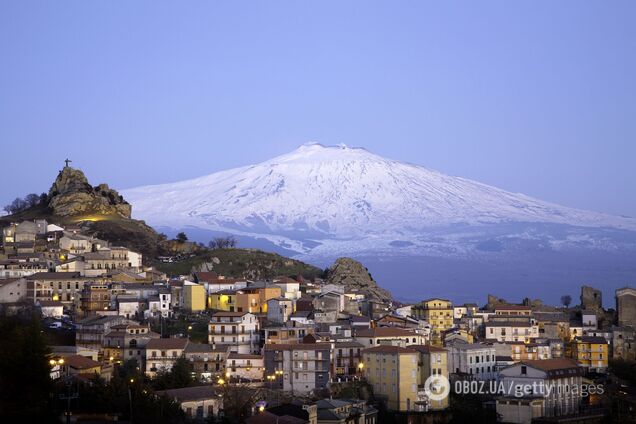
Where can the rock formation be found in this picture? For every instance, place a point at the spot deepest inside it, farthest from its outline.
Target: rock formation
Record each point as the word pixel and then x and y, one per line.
pixel 72 195
pixel 354 276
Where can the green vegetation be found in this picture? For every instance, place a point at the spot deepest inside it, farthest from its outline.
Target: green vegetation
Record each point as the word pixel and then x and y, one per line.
pixel 180 375
pixel 195 328
pixel 243 263
pixel 127 392
pixel 25 382
pixel 625 370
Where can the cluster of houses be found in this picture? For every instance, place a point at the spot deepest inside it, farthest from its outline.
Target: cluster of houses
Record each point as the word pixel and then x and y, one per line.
pixel 302 337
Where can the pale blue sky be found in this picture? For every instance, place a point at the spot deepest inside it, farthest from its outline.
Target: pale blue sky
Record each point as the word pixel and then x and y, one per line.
pixel 536 97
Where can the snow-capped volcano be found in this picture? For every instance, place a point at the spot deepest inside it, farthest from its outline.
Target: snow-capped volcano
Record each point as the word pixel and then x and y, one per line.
pixel 334 200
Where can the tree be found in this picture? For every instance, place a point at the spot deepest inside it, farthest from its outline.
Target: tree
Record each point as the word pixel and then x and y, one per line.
pixel 180 375
pixel 566 300
pixel 223 243
pixel 32 200
pixel 238 400
pixel 18 205
pixel 25 382
pixel 181 237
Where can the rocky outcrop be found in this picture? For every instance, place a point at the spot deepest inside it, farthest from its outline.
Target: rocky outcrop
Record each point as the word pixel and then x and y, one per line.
pixel 72 195
pixel 254 264
pixel 355 277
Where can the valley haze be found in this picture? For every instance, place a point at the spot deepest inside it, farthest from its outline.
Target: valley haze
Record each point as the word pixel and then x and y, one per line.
pixel 420 232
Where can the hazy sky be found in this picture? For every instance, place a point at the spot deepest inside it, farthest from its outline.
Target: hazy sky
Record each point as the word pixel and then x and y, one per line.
pixel 536 97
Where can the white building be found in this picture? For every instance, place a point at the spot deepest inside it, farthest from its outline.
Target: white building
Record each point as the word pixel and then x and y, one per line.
pixel 237 330
pixel 13 290
pixel 159 306
pixel 556 383
pixel 511 331
pixel 51 308
pixel 129 308
pixel 289 288
pixel 476 360
pixel 161 354
pixel 372 337
pixel 244 366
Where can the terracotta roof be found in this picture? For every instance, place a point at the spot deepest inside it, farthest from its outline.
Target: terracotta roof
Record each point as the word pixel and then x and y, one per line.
pixel 190 393
pixel 198 348
pixel 234 355
pixel 207 277
pixel 10 280
pixel 555 364
pixel 53 275
pixel 384 332
pixel 167 344
pixel 267 417
pixel 298 346
pixel 591 339
pixel 339 344
pixel 229 314
pixel 427 348
pixel 508 324
pixel 389 350
pixel 79 362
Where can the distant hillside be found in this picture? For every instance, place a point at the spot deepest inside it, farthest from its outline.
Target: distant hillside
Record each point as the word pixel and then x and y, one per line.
pixel 102 212
pixel 253 264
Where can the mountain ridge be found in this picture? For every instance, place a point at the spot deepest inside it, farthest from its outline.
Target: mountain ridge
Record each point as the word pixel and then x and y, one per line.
pixel 318 199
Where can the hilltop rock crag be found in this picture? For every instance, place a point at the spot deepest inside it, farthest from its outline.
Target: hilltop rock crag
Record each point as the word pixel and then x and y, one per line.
pixel 72 195
pixel 354 276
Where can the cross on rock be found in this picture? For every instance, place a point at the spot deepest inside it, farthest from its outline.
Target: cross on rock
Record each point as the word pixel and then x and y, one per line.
pixel 67 162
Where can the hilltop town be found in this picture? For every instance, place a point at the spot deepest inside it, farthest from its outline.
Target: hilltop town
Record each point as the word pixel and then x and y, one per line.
pixel 256 347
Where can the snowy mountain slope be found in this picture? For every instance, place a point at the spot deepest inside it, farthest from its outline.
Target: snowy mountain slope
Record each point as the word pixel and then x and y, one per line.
pixel 326 200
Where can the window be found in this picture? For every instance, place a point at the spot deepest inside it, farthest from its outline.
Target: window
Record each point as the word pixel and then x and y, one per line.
pixel 524 370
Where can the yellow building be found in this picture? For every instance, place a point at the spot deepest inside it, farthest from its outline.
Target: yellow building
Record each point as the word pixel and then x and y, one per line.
pixel 591 352
pixel 393 373
pixel 254 298
pixel 433 361
pixel 224 300
pixel 194 297
pixel 438 313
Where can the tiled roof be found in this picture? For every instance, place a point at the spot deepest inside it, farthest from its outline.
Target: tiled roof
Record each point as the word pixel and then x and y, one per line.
pixel 427 348
pixel 298 346
pixel 167 344
pixel 384 332
pixel 53 275
pixel 389 350
pixel 234 355
pixel 79 362
pixel 552 364
pixel 190 393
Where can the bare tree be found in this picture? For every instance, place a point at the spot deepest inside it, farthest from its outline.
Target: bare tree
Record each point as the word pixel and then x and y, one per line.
pixel 32 200
pixel 239 400
pixel 16 206
pixel 222 243
pixel 566 299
